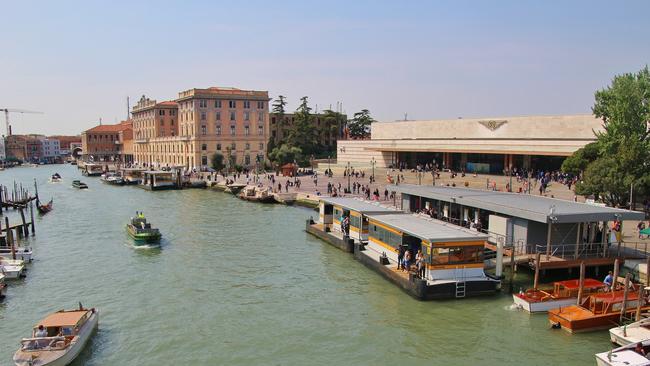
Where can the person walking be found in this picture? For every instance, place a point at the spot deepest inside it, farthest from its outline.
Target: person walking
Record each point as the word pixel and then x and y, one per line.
pixel 400 257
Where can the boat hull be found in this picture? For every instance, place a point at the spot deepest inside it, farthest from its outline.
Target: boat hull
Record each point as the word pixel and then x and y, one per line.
pixel 595 322
pixel 22 254
pixel 21 358
pixel 541 306
pixel 13 272
pixel 143 239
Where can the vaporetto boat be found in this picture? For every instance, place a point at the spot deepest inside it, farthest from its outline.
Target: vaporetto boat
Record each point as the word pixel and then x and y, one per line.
pixel 58 339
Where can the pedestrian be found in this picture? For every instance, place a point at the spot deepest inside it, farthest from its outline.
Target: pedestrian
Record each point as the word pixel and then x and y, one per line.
pixel 608 281
pixel 407 260
pixel 419 262
pixel 400 257
pixel 640 226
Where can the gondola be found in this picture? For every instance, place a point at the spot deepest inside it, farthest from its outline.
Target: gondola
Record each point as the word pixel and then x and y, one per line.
pixel 43 209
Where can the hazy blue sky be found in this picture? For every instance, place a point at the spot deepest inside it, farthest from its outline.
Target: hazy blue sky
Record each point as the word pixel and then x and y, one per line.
pixel 77 61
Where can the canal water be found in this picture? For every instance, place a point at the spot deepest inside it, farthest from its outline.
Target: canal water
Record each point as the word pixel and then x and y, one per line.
pixel 240 283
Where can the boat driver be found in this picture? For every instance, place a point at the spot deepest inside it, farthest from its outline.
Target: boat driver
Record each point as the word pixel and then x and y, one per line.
pixel 41 333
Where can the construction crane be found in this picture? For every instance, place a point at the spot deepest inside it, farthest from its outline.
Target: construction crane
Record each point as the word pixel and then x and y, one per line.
pixel 10 110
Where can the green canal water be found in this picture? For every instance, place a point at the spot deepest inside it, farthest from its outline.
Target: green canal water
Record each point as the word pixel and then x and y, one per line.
pixel 239 283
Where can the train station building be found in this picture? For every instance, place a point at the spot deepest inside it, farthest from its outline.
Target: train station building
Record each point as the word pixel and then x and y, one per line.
pixel 482 145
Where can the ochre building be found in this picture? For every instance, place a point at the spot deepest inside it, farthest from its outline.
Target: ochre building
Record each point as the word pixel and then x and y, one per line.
pixel 108 143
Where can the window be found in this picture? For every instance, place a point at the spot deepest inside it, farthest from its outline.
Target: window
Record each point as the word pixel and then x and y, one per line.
pixel 217 104
pixel 272 120
pixel 261 146
pixel 246 130
pixel 232 104
pixel 247 160
pixel 204 147
pixel 203 103
pixel 260 130
pixel 233 146
pixel 260 117
pixel 161 112
pixel 260 105
pixel 247 104
pixel 172 112
pixel 232 115
pixel 203 116
pixel 219 147
pixel 204 160
pixel 247 116
pixel 232 130
pixel 204 130
pixel 162 122
pixel 218 128
pixel 248 146
pixel 172 122
pixel 218 116
pixel 385 236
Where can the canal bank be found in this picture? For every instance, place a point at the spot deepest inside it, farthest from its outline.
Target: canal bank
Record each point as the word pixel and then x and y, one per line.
pixel 242 283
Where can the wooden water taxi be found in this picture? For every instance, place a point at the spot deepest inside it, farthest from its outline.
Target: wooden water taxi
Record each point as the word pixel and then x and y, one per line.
pixel 633 354
pixel 563 293
pixel 79 184
pixel 630 333
pixel 598 311
pixel 141 231
pixel 58 339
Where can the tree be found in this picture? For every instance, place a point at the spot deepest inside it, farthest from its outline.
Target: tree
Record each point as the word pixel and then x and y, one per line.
pixel 278 108
pixel 578 162
pixel 359 125
pixel 285 154
pixel 302 133
pixel 623 147
pixel 330 127
pixel 216 160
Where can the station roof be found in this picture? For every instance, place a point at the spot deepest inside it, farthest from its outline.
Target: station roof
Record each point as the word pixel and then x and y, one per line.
pixel 530 207
pixel 428 229
pixel 358 205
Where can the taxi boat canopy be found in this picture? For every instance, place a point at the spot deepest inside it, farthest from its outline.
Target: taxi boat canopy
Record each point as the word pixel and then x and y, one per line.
pixel 332 210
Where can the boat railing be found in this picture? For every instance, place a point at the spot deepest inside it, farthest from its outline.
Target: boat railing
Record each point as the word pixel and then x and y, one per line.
pixel 41 343
pixel 594 250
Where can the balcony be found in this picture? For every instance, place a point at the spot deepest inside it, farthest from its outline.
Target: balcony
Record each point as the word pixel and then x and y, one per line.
pixel 141 141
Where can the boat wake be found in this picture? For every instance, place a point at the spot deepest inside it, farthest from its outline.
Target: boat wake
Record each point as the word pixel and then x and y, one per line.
pixel 512 307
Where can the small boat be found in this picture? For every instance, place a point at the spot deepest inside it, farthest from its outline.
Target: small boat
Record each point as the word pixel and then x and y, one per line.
pixel 79 184
pixel 252 193
pixel 55 178
pixel 141 231
pixel 3 286
pixel 43 209
pixel 630 333
pixel 58 339
pixel 22 253
pixel 12 268
pixel 112 178
pixel 598 311
pixel 563 293
pixel 626 355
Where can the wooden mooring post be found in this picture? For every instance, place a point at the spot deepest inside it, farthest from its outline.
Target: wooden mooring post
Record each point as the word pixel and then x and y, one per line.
pixel 24 227
pixel 537 260
pixel 647 271
pixel 581 283
pixel 615 281
pixel 512 269
pixel 641 296
pixel 31 214
pixel 625 291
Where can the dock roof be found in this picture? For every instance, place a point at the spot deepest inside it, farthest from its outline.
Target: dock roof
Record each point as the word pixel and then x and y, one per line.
pixel 358 205
pixel 531 207
pixel 428 229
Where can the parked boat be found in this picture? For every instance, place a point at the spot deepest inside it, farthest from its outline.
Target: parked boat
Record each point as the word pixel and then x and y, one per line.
pixel 92 170
pixel 141 231
pixel 598 311
pixel 44 208
pixel 112 178
pixel 628 355
pixel 12 268
pixel 252 193
pixel 563 293
pixel 3 286
pixel 22 253
pixel 58 339
pixel 630 333
pixel 79 184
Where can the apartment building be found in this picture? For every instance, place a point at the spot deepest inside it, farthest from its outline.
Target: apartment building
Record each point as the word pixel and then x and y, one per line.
pixel 229 121
pixel 108 143
pixel 155 125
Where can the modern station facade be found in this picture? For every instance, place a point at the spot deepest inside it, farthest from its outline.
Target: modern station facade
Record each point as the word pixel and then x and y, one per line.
pixel 482 145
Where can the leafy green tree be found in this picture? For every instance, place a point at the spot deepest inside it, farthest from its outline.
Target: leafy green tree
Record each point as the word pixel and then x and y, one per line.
pixel 359 125
pixel 286 153
pixel 578 162
pixel 278 108
pixel 302 133
pixel 624 145
pixel 216 160
pixel 330 127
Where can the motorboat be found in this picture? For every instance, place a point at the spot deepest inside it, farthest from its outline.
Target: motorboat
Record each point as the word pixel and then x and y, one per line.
pixel 112 178
pixel 12 268
pixel 141 231
pixel 79 184
pixel 598 311
pixel 563 293
pixel 3 286
pixel 252 193
pixel 630 333
pixel 55 178
pixel 58 339
pixel 23 253
pixel 629 355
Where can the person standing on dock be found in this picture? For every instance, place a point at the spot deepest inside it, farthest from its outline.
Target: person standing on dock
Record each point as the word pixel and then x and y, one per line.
pixel 400 257
pixel 419 262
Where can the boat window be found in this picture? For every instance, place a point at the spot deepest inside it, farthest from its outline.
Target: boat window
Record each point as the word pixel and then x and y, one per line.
pixel 355 221
pixel 457 255
pixel 328 209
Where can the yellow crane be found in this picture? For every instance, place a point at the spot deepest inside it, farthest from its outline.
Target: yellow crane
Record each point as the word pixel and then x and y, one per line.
pixel 12 110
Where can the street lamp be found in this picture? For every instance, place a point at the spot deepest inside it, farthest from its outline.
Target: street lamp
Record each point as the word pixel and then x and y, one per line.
pixel 328 163
pixel 373 162
pixel 349 174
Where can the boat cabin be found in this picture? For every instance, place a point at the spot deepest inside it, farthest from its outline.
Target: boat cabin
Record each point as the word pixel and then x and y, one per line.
pixel 159 180
pixel 570 288
pixel 610 302
pixel 450 251
pixel 61 328
pixel 332 211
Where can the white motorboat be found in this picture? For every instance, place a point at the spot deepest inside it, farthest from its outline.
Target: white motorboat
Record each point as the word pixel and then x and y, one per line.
pixel 21 253
pixel 55 178
pixel 3 286
pixel 631 333
pixel 625 355
pixel 58 339
pixel 11 268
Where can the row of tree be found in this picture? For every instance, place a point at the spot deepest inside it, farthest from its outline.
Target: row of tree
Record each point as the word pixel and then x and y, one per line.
pixel 617 164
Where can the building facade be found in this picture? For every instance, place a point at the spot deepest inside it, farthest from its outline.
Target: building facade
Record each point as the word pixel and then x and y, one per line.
pixel 3 153
pixel 65 143
pixel 229 121
pixel 108 143
pixel 483 145
pixel 51 150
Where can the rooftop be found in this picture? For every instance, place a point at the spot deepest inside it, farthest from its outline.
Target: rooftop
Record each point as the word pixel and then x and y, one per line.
pixel 358 205
pixel 112 128
pixel 63 318
pixel 428 229
pixel 531 207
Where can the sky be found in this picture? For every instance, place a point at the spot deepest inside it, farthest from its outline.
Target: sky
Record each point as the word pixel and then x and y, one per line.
pixel 77 61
